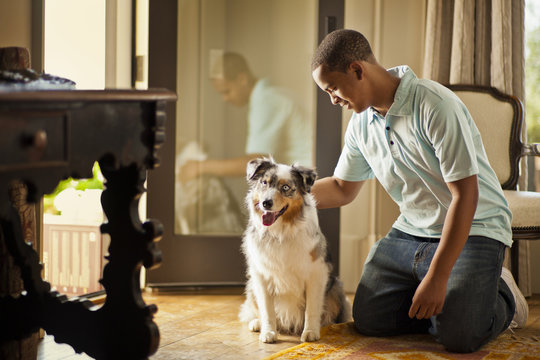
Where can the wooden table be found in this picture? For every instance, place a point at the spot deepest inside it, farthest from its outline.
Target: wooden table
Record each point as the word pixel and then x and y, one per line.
pixel 46 136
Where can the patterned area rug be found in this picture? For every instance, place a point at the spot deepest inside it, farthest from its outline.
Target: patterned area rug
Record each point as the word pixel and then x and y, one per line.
pixel 341 341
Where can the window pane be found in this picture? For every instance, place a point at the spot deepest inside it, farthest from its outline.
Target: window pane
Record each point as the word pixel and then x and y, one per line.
pixel 245 88
pixel 532 83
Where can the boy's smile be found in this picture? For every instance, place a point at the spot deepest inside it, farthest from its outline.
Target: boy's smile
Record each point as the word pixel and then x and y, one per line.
pixel 342 87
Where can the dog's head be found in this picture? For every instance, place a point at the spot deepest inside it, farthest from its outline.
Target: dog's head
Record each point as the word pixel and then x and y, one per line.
pixel 278 190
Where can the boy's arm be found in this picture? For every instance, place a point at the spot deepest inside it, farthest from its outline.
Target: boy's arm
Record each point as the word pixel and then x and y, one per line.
pixel 331 192
pixel 217 167
pixel 429 297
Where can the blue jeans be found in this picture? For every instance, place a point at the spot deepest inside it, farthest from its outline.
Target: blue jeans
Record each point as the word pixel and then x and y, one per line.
pixel 478 305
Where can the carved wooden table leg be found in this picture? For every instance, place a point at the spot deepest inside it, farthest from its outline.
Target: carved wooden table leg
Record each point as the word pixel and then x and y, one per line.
pixel 110 331
pixel 123 327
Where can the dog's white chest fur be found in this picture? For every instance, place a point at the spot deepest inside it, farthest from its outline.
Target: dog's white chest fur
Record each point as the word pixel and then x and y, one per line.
pixel 287 259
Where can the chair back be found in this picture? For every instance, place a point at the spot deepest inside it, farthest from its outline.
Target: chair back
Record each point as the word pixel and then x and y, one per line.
pixel 499 118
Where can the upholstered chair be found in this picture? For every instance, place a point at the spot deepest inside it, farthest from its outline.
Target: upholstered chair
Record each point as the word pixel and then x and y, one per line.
pixel 500 119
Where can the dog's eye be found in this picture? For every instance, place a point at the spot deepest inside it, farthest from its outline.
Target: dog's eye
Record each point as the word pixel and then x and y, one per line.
pixel 264 182
pixel 285 187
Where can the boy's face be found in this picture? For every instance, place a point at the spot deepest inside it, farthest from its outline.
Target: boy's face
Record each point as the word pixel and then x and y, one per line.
pixel 344 88
pixel 235 91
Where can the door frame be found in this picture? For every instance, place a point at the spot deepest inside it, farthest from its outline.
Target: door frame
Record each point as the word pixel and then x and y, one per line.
pixel 328 131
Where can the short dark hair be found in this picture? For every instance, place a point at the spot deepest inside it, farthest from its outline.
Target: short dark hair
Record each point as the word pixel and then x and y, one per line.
pixel 339 49
pixel 234 64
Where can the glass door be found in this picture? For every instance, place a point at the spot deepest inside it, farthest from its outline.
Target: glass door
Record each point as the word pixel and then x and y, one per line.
pixel 241 69
pixel 246 90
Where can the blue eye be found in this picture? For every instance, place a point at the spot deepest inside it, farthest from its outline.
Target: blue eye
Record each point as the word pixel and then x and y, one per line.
pixel 286 187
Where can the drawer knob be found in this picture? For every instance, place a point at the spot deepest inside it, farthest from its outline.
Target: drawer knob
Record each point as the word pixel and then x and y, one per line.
pixel 35 144
pixel 39 141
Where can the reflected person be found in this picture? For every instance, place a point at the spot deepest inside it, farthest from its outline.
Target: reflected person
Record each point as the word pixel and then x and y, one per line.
pixel 276 125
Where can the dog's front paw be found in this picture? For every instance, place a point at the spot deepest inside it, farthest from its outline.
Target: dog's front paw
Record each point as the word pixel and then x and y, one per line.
pixel 268 336
pixel 254 325
pixel 310 335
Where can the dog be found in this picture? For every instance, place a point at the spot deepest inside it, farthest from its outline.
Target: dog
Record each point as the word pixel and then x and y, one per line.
pixel 289 287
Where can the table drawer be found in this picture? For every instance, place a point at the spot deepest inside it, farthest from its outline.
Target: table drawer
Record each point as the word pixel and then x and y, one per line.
pixel 33 138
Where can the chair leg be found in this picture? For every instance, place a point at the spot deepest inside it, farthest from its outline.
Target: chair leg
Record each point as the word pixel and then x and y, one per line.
pixel 514 259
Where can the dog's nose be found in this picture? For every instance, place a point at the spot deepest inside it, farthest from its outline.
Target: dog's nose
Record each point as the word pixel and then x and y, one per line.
pixel 267 204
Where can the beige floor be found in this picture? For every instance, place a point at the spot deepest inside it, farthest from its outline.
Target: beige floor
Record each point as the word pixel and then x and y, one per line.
pixel 207 327
pixel 200 324
pixel 204 325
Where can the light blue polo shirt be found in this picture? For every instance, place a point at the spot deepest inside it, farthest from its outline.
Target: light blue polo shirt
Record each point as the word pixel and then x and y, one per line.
pixel 426 139
pixel 277 126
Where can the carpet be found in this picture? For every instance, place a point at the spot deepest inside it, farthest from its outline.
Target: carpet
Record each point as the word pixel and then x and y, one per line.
pixel 341 341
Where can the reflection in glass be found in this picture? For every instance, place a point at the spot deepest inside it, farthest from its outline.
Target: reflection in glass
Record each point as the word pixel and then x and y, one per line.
pixel 245 91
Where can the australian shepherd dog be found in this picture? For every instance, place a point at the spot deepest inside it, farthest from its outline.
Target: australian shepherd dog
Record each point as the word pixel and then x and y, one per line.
pixel 290 288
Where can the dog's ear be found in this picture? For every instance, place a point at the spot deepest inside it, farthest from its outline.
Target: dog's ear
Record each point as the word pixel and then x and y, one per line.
pixel 306 177
pixel 256 167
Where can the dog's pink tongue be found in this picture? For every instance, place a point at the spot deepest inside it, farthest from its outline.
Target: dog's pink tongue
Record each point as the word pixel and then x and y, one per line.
pixel 269 217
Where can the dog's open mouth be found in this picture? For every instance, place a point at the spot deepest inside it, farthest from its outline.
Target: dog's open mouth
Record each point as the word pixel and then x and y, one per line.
pixel 270 217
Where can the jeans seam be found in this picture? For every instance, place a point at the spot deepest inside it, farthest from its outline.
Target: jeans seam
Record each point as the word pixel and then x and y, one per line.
pixel 419 257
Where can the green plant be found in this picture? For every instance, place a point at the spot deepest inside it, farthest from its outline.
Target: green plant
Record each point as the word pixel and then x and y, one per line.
pixel 532 86
pixel 95 182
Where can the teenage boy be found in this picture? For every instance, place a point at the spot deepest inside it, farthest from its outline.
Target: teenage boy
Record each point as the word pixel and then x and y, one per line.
pixel 439 267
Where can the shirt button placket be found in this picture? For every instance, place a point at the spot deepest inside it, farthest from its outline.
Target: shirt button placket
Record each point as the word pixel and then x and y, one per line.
pixel 391 143
pixel 388 134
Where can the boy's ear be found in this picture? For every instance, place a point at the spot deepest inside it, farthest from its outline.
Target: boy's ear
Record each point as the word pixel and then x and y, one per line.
pixel 242 78
pixel 356 67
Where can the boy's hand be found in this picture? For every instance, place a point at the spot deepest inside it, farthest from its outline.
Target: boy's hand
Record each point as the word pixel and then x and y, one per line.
pixel 428 300
pixel 189 171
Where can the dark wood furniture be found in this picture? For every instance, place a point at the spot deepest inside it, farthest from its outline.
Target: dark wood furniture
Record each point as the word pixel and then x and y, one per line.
pixel 46 136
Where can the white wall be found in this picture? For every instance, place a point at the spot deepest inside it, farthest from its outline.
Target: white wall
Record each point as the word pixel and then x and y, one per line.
pixel 395 30
pixel 74 33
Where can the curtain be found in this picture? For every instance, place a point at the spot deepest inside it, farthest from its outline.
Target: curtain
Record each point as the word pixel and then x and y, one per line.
pixel 480 42
pixel 476 42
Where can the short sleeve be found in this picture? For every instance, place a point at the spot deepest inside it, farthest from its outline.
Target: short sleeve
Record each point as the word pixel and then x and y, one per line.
pixel 269 113
pixel 452 133
pixel 352 165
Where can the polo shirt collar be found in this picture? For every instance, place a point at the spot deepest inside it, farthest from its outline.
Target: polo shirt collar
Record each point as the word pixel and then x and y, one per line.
pixel 402 105
pixel 257 88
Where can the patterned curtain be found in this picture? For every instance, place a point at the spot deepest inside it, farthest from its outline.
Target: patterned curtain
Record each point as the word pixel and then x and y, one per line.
pixel 480 42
